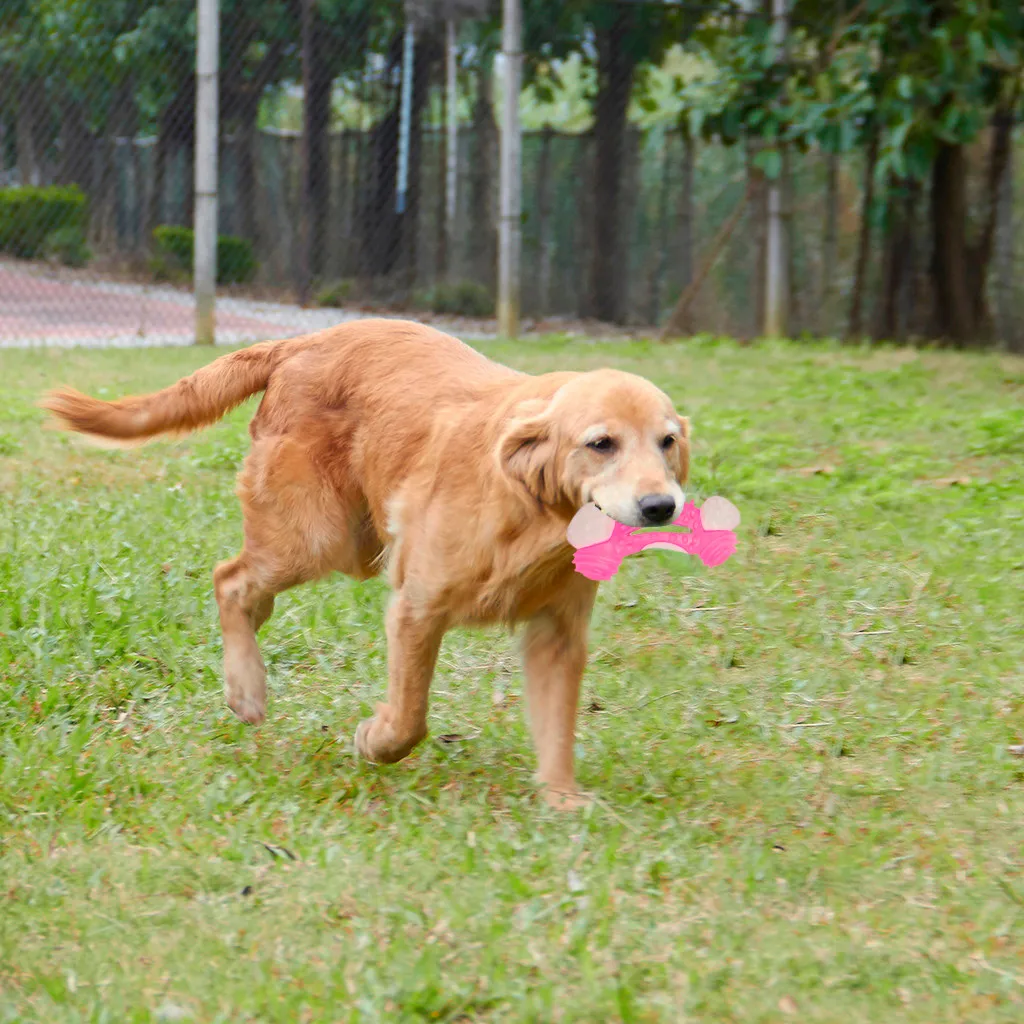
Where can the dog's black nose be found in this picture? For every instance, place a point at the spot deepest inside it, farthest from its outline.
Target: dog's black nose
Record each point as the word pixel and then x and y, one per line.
pixel 657 508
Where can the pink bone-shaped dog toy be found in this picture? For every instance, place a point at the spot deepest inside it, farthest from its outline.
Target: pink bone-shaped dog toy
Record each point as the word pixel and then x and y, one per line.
pixel 602 543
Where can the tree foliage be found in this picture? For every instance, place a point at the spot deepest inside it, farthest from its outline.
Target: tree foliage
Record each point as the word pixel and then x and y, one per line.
pixel 925 72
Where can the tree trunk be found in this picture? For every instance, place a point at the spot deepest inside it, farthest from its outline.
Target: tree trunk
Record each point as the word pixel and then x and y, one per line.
pixel 687 229
pixel 26 117
pixel 427 54
pixel 381 227
pixel 120 123
pixel 680 315
pixel 379 221
pixel 980 255
pixel 240 96
pixel 583 228
pixel 855 327
pixel 484 240
pixel 687 220
pixel 155 206
pixel 128 128
pixel 898 263
pixel 441 199
pixel 543 291
pixel 792 313
pixel 953 276
pixel 758 203
pixel 998 167
pixel 175 130
pixel 1007 321
pixel 663 233
pixel 75 152
pixel 316 178
pixel 830 247
pixel 606 299
pixel 318 168
pixel 246 157
pixel 138 195
pixel 189 145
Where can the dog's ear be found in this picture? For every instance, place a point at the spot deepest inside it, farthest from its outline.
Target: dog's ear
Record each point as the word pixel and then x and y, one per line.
pixel 528 451
pixel 682 450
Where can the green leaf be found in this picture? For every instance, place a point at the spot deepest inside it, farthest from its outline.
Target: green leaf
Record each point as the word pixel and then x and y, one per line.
pixel 1003 45
pixel 769 161
pixel 950 123
pixel 847 136
pixel 898 136
pixel 976 46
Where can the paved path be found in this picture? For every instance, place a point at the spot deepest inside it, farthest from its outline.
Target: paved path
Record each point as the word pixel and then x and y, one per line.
pixel 40 308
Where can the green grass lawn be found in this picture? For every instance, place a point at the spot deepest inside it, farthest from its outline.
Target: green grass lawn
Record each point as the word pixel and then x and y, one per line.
pixel 807 808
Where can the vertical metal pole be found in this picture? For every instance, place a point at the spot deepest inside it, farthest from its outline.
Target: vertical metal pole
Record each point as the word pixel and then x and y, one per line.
pixel 304 275
pixel 205 228
pixel 405 118
pixel 452 163
pixel 776 290
pixel 511 172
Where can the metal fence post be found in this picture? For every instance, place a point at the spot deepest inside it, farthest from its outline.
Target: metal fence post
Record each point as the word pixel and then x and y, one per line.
pixel 509 235
pixel 776 287
pixel 452 156
pixel 205 227
pixel 405 116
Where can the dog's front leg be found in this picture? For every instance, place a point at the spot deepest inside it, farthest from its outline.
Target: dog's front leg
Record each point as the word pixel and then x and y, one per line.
pixel 413 642
pixel 555 656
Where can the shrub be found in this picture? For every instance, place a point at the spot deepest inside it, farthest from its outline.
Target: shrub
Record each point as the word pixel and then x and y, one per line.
pixel 335 295
pixel 67 244
pixel 236 263
pixel 29 215
pixel 175 245
pixel 457 298
pixel 165 268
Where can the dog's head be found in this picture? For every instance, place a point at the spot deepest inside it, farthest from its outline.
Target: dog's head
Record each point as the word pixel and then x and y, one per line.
pixel 606 437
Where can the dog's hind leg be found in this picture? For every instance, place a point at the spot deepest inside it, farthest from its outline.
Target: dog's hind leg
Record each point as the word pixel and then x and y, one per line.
pixel 296 530
pixel 245 602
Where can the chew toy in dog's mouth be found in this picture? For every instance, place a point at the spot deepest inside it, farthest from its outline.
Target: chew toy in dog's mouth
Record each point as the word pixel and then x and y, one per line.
pixel 602 542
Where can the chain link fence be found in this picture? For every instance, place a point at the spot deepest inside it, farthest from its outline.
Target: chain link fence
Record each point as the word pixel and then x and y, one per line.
pixel 97 139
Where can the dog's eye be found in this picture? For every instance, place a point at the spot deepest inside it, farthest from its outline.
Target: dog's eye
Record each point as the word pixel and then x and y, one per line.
pixel 602 444
pixel 667 441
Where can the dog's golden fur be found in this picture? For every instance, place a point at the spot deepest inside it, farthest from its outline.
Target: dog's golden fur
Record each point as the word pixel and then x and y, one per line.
pixel 384 444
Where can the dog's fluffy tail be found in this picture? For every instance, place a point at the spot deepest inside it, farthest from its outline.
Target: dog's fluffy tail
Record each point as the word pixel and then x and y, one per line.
pixel 195 401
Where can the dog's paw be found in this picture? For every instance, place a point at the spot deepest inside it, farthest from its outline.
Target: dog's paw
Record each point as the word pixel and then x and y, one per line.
pixel 359 741
pixel 378 741
pixel 565 799
pixel 250 710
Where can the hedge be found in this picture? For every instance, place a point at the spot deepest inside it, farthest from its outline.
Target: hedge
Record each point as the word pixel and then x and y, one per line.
pixel 30 214
pixel 458 298
pixel 235 260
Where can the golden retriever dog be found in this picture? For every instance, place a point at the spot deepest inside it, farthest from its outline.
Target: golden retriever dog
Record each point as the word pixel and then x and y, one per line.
pixel 385 445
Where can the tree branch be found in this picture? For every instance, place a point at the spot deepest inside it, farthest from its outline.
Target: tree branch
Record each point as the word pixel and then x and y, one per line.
pixel 676 325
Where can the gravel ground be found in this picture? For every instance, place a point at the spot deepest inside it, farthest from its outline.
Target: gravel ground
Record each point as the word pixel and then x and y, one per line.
pixel 42 306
